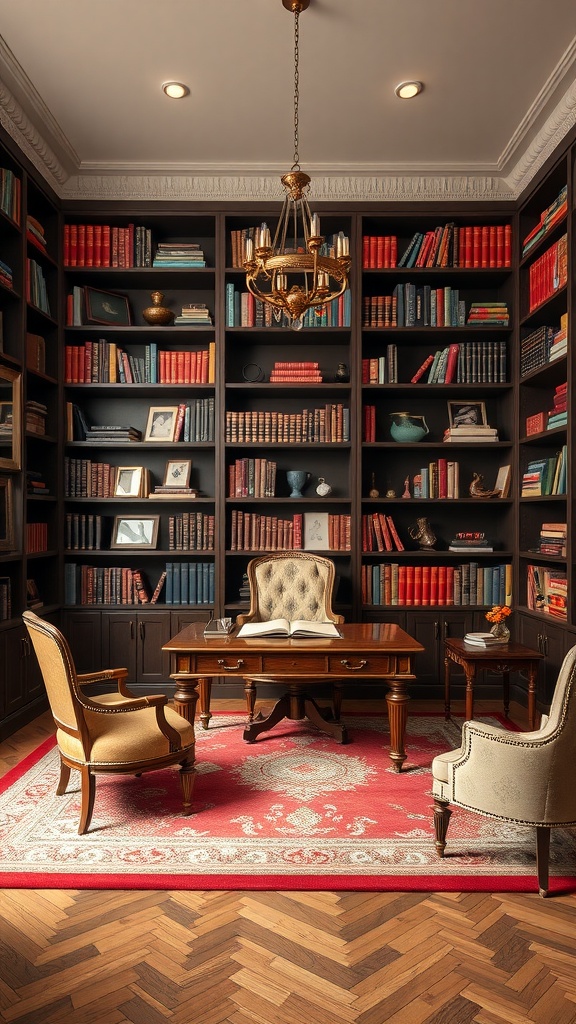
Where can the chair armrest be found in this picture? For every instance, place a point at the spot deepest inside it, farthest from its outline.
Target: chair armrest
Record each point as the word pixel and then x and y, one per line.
pixel 130 704
pixel 119 674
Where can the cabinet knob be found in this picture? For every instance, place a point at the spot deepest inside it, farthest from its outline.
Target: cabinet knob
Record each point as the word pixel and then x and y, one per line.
pixel 142 630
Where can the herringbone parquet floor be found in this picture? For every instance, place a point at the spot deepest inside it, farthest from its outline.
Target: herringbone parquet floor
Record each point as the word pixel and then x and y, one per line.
pixel 78 957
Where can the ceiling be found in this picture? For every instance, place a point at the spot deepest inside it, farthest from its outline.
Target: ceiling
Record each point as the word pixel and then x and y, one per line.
pixel 80 90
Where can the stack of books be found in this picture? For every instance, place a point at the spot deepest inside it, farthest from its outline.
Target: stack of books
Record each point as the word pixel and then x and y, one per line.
pixel 470 432
pixel 194 314
pixel 301 372
pixel 6 275
pixel 488 314
pixel 548 218
pixel 558 414
pixel 474 541
pixel 113 434
pixel 178 254
pixel 36 414
pixel 559 346
pixel 35 484
pixel 553 539
pixel 173 493
pixel 482 640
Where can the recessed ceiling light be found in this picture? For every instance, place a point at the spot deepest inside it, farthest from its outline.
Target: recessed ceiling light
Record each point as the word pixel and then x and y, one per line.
pixel 406 90
pixel 175 90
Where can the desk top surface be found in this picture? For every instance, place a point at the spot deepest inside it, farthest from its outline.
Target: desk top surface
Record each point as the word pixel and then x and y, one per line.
pixel 356 637
pixel 510 651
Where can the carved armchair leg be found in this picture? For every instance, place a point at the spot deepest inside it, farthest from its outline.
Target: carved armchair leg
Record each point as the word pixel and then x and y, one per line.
pixel 187 779
pixel 442 815
pixel 88 789
pixel 542 858
pixel 64 778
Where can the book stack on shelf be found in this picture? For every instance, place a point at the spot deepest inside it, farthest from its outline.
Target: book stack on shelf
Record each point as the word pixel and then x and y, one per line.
pixel 482 640
pixel 474 541
pixel 545 476
pixel 193 314
pixel 252 532
pixel 552 540
pixel 296 372
pixel 547 590
pixel 112 434
pixel 381 369
pixel 35 483
pixel 35 417
pixel 422 585
pixel 35 233
pixel 488 314
pixel 548 218
pixel 178 254
pixel 471 433
pixel 379 252
pixel 548 273
pixel 559 346
pixel 6 277
pixel 558 414
pixel 10 191
pixel 328 424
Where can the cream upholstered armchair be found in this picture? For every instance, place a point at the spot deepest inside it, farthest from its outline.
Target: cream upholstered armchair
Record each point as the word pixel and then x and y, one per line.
pixel 291 585
pixel 113 733
pixel 523 778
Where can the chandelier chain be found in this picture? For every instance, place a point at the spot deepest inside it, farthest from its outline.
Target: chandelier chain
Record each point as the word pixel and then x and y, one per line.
pixel 296 164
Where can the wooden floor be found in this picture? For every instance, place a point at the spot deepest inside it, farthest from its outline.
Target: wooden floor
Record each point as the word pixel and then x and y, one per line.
pixel 78 956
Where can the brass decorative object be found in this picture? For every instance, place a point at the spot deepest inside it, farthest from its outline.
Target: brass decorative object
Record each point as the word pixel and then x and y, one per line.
pixel 423 533
pixel 291 272
pixel 477 489
pixel 157 313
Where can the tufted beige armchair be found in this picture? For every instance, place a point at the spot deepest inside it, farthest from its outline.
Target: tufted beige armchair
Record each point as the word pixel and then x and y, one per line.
pixel 291 585
pixel 523 778
pixel 113 733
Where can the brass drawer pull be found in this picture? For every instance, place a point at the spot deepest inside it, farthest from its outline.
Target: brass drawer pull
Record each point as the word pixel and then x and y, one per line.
pixel 353 668
pixel 230 668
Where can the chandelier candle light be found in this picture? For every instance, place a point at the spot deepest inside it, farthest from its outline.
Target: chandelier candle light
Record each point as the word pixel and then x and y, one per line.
pixel 290 272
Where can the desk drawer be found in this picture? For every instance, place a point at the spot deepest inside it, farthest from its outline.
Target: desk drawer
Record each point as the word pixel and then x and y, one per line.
pixel 286 664
pixel 369 665
pixel 228 664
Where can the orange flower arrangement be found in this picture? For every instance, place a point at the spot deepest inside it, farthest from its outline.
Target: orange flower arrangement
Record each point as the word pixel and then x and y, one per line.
pixel 499 613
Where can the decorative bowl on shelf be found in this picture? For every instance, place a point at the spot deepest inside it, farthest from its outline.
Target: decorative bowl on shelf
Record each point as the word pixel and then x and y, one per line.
pixel 157 313
pixel 408 427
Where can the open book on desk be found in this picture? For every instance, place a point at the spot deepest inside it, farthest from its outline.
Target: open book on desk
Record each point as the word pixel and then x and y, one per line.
pixel 283 627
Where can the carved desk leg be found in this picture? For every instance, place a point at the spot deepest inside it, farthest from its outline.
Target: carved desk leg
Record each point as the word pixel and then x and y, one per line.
pixel 397 702
pixel 205 692
pixel 186 695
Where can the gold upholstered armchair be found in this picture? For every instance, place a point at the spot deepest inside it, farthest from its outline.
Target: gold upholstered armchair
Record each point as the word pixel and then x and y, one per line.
pixel 524 778
pixel 292 585
pixel 112 733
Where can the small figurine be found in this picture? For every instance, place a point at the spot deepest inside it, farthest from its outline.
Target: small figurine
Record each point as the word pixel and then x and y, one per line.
pixel 423 533
pixel 323 489
pixel 407 488
pixel 342 375
pixel 477 490
pixel 390 493
pixel 374 492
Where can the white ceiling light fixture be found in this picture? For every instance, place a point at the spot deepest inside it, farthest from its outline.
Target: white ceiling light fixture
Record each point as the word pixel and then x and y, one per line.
pixel 407 90
pixel 175 90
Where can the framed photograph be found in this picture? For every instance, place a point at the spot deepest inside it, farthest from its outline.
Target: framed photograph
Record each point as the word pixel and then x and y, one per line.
pixel 161 424
pixel 315 533
pixel 106 308
pixel 177 473
pixel 503 481
pixel 128 483
pixel 135 532
pixel 467 414
pixel 6 515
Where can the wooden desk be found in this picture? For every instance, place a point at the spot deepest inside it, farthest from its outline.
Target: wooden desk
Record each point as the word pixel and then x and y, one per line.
pixel 378 652
pixel 505 659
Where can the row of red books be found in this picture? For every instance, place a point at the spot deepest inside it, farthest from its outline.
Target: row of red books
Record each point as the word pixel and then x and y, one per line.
pixel 296 372
pixel 252 478
pixel 379 252
pixel 408 585
pixel 36 537
pixel 548 273
pixel 104 245
pixel 329 424
pixel 252 532
pixel 473 246
pixel 379 533
pixel 191 531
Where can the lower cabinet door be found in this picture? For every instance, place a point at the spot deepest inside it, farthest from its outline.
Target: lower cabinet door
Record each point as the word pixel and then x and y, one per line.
pixel 83 631
pixel 152 663
pixel 119 638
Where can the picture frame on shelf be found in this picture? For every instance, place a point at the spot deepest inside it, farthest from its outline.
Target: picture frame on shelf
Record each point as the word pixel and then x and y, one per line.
pixel 315 531
pixel 467 414
pixel 161 425
pixel 129 482
pixel 110 308
pixel 503 480
pixel 135 532
pixel 177 473
pixel 6 515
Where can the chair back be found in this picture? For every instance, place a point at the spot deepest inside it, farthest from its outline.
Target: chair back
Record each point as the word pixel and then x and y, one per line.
pixel 291 585
pixel 58 673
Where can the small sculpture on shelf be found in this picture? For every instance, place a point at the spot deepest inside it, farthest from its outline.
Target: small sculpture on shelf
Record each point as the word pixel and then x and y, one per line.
pixel 423 533
pixel 477 489
pixel 342 375
pixel 157 314
pixel 373 492
pixel 406 493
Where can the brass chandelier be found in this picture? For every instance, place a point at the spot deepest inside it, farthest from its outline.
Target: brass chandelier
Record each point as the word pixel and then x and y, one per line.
pixel 294 272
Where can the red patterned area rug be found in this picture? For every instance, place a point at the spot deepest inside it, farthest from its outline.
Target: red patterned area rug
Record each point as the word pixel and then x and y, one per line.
pixel 295 810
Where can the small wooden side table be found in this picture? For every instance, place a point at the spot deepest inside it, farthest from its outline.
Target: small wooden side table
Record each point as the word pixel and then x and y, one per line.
pixel 506 658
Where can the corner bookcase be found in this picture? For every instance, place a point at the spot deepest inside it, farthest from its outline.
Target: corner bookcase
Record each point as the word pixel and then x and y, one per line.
pixel 411 344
